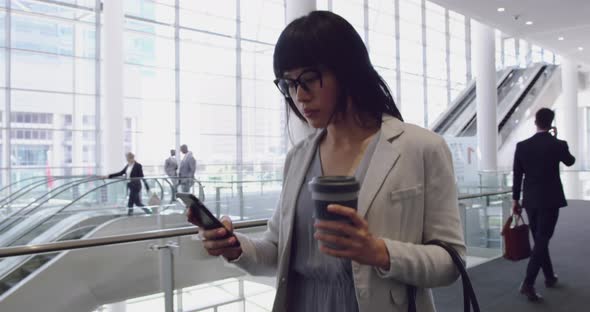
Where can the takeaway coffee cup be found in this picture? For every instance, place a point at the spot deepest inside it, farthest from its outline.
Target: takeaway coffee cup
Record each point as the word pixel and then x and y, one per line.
pixel 326 190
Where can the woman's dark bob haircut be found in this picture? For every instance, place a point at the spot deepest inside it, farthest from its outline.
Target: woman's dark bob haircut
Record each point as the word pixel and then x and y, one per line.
pixel 325 40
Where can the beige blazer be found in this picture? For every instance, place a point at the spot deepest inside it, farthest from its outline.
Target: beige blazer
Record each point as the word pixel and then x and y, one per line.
pixel 408 197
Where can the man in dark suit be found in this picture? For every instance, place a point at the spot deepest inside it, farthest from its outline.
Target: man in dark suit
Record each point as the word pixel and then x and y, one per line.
pixel 133 171
pixel 538 160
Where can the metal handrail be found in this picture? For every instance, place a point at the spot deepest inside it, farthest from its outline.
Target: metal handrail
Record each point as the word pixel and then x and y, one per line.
pixel 114 240
pixel 91 179
pixel 245 181
pixel 32 186
pixel 441 123
pixel 23 190
pixel 484 195
pixel 44 199
pixel 20 181
pixel 59 189
pixel 39 178
pixel 74 182
pixel 161 188
pixel 75 200
pixel 146 235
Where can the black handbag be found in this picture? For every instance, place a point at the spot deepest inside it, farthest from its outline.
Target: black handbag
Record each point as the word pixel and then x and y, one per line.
pixel 469 298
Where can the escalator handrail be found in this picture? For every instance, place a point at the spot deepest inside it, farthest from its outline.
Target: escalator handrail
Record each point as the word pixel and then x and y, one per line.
pixel 23 189
pixel 161 188
pixel 463 96
pixel 529 99
pixel 173 193
pixel 39 183
pixel 503 80
pixel 33 186
pixel 8 268
pixel 39 178
pixel 66 185
pixel 523 94
pixel 473 119
pixel 513 95
pixel 61 189
pixel 117 180
pixel 20 181
pixel 442 120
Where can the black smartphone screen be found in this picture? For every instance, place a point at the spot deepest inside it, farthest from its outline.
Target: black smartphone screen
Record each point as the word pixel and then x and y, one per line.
pixel 203 217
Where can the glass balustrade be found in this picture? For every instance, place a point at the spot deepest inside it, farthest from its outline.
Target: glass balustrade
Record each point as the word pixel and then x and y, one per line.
pixel 134 274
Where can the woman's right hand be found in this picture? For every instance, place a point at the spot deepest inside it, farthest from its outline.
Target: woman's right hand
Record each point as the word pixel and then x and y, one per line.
pixel 217 242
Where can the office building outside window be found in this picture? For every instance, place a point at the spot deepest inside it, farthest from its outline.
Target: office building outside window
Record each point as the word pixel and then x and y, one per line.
pixel 222 52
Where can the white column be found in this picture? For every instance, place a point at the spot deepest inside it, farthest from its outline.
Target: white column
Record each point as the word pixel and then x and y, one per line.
pixel 567 115
pixel 528 50
pixel 112 104
pixel 298 8
pixel 293 10
pixel 487 97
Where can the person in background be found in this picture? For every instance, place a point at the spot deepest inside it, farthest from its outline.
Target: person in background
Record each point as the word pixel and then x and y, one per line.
pixel 187 169
pixel 171 169
pixel 537 159
pixel 134 171
pixel 171 165
pixel 408 194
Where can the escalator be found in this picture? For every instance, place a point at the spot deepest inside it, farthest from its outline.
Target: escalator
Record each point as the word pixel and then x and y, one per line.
pixel 18 268
pixel 26 191
pixel 453 121
pixel 519 93
pixel 71 219
pixel 83 279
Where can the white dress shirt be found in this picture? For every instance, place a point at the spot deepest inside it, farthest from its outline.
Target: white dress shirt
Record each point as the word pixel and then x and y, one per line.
pixel 129 169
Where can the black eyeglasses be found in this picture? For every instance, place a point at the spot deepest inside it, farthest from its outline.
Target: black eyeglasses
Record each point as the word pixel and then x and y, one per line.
pixel 309 80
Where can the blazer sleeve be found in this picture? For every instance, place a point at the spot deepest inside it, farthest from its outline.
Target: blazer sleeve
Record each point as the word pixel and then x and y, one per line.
pixel 193 166
pixel 428 266
pixel 517 173
pixel 118 174
pixel 260 256
pixel 566 157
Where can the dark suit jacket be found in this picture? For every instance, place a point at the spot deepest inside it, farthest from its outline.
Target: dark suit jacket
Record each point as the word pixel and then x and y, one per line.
pixel 136 172
pixel 538 160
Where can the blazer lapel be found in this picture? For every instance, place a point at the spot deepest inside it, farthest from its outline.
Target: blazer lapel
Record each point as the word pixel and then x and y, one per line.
pixel 294 183
pixel 384 159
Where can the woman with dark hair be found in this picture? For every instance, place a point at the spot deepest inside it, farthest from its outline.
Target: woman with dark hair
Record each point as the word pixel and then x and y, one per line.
pixel 407 196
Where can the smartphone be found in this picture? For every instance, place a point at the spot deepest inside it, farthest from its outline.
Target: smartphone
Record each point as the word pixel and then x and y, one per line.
pixel 201 216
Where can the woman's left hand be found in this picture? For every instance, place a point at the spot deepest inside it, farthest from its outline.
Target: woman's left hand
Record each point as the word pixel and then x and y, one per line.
pixel 356 243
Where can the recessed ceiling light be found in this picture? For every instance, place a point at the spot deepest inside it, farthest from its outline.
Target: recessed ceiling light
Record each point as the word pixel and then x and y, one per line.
pixel 529 23
pixel 581 48
pixel 501 9
pixel 560 38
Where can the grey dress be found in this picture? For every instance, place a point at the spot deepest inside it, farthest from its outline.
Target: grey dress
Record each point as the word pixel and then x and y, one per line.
pixel 320 282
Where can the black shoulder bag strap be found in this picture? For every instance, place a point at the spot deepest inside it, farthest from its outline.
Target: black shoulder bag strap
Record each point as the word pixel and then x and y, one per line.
pixel 469 298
